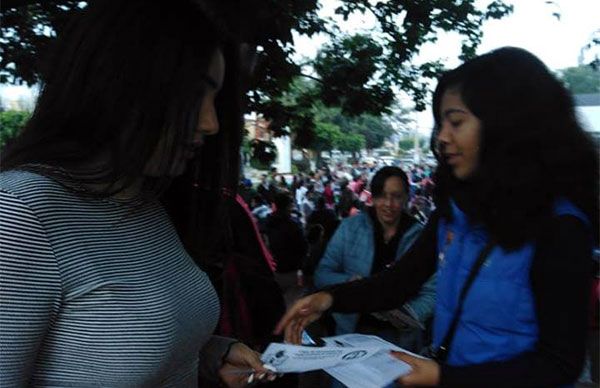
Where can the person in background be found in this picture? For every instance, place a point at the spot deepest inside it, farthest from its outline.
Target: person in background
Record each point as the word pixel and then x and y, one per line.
pixel 320 226
pixel 286 242
pixel 264 189
pixel 283 186
pixel 245 189
pixel 318 182
pixel 355 184
pixel 307 206
pixel 260 210
pixel 369 243
pixel 294 185
pixel 347 200
pixel 301 191
pixel 328 194
pixel 324 216
pixel 96 286
pixel 511 238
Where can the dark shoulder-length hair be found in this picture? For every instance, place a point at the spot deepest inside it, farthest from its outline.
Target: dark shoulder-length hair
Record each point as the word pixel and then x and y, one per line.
pixel 533 150
pixel 382 175
pixel 126 76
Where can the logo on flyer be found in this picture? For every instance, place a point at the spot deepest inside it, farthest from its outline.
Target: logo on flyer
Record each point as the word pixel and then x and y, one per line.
pixel 279 358
pixel 354 355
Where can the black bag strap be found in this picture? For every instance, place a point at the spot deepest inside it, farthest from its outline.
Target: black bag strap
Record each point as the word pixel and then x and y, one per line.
pixel 442 352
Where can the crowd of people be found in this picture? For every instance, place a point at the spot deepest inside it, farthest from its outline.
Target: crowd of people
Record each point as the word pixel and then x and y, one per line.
pixel 343 189
pixel 311 206
pixel 132 256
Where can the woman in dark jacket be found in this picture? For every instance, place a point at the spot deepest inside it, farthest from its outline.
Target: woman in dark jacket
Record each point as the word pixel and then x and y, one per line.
pixel 511 239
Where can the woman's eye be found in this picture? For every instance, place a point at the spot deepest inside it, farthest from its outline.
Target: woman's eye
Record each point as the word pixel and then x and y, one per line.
pixel 455 123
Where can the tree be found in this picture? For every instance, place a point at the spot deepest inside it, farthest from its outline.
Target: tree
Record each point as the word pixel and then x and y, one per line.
pixel 28 28
pixel 11 122
pixel 384 59
pixel 406 144
pixel 333 130
pixel 581 79
pixel 351 142
pixel 374 129
pixel 327 136
pixel 348 68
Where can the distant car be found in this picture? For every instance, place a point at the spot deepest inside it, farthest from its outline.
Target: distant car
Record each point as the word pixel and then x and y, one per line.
pixel 368 159
pixel 387 160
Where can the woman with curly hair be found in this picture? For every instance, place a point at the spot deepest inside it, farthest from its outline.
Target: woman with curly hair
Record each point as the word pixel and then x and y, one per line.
pixel 511 240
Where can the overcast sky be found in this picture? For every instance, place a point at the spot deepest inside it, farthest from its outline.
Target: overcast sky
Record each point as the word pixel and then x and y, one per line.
pixel 531 26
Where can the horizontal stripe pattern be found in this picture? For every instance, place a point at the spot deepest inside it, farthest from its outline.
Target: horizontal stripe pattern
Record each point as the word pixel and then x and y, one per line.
pixel 95 292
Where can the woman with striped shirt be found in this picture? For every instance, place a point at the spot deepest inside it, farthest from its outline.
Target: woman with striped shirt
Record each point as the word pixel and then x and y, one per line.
pixel 96 288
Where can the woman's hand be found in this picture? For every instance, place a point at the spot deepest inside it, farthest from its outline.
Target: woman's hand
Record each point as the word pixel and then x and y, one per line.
pixel 243 366
pixel 301 314
pixel 424 372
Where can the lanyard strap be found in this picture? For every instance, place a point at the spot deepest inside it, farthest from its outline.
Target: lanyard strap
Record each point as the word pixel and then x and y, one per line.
pixel 442 353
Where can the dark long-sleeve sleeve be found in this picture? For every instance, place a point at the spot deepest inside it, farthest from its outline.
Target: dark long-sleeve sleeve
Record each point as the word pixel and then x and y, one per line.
pixel 560 278
pixel 391 288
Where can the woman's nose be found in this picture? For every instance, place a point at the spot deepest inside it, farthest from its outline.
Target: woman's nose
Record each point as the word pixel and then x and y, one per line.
pixel 442 138
pixel 443 135
pixel 209 122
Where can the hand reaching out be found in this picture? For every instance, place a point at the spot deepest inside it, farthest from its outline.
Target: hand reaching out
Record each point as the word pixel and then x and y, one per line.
pixel 301 314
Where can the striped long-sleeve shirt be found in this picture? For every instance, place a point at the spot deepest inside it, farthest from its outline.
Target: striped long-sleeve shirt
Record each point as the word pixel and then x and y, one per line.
pixel 95 292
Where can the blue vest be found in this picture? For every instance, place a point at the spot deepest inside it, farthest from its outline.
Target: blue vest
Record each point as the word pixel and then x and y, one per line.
pixel 498 321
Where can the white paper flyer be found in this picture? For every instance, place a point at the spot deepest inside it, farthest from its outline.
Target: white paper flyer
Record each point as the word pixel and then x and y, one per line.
pixel 356 360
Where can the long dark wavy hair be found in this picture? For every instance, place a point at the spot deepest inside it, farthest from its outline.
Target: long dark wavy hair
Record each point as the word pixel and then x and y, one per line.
pixel 121 77
pixel 533 150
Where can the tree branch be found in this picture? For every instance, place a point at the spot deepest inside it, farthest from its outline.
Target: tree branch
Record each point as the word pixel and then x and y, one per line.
pixel 311 77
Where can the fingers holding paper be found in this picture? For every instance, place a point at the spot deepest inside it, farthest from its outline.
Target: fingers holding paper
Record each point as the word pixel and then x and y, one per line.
pixel 425 372
pixel 242 366
pixel 301 314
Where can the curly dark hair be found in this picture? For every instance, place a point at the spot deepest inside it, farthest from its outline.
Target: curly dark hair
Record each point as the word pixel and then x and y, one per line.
pixel 533 150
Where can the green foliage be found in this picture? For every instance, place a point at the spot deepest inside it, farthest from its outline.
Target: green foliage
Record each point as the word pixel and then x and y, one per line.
pixel 349 70
pixel 581 79
pixel 327 136
pixel 331 128
pixel 406 144
pixel 11 122
pixel 351 142
pixel 374 129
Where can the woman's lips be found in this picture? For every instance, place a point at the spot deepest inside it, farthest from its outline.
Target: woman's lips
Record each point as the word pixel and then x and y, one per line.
pixel 452 158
